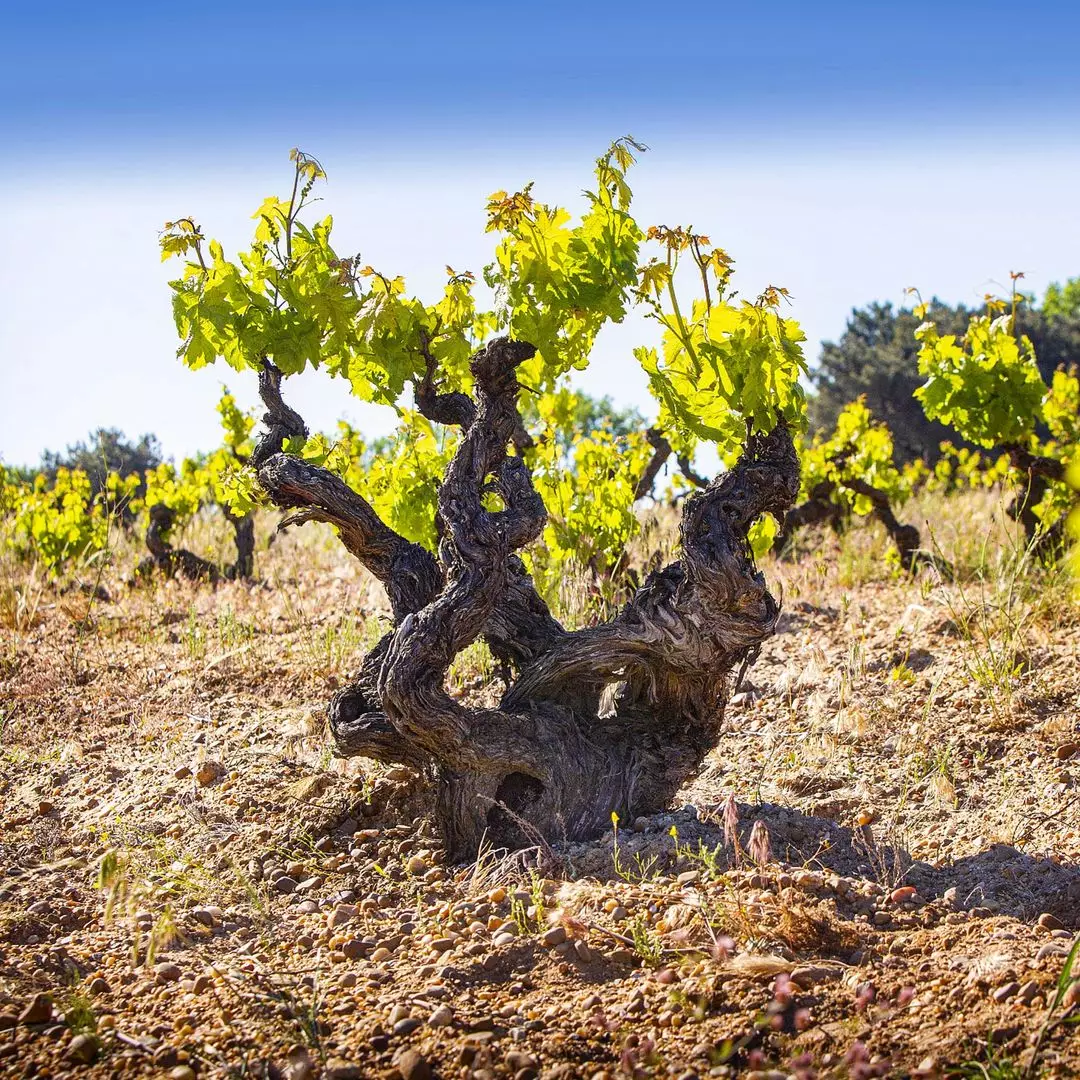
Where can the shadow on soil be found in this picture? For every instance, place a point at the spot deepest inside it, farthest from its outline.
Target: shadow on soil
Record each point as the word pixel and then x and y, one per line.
pixel 1003 878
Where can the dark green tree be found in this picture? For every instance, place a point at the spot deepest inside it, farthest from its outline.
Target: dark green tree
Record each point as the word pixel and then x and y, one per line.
pixel 106 450
pixel 877 355
pixel 1053 326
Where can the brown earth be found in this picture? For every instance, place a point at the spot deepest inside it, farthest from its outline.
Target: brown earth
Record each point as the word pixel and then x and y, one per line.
pixel 200 889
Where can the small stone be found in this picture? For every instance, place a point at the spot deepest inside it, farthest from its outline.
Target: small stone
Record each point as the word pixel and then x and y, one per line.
pixel 98 986
pixel 309 787
pixel 397 1014
pixel 208 916
pixel 8 1020
pixel 1051 948
pixel 416 865
pixel 505 938
pixel 337 1069
pixel 555 936
pixel 341 914
pixel 45 807
pixel 201 984
pixel 285 884
pixel 1003 993
pixel 1050 922
pixel 209 771
pixel 300 1066
pixel 688 877
pixel 166 972
pixel 1029 990
pixel 519 1059
pixel 412 1065
pixel 809 975
pixel 905 892
pixel 445 944
pixel 1067 750
pixel 443 1016
pixel 182 1072
pixel 380 954
pixel 182 773
pixel 39 1011
pixel 83 1049
pixel 407 1026
pixel 354 949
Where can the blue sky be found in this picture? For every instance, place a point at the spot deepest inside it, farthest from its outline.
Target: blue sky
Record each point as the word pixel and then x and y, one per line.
pixel 844 151
pixel 189 74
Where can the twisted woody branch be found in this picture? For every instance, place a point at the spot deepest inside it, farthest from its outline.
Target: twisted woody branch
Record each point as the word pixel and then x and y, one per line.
pixel 615 717
pixel 1037 474
pixel 820 508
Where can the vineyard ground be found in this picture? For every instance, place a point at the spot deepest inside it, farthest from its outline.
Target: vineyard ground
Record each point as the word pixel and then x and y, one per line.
pixel 912 747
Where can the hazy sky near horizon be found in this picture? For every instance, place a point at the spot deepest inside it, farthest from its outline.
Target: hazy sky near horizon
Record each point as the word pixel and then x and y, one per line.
pixel 843 151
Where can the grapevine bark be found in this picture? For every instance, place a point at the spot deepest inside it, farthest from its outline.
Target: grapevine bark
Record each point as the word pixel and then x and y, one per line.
pixel 1037 474
pixel 172 561
pixel 167 559
pixel 820 508
pixel 612 718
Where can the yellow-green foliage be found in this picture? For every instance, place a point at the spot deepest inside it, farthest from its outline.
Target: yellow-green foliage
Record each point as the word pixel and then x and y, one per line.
pixel 1072 525
pixel 986 385
pixel 589 499
pixel 860 448
pixel 722 365
pixel 60 520
pixel 725 367
pixel 215 478
pixel 63 520
pixel 960 467
pixel 1061 407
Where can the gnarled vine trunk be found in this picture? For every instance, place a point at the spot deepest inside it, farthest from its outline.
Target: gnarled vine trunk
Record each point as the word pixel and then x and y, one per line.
pixel 1037 474
pixel 615 717
pixel 168 559
pixel 819 508
pixel 171 561
pixel 243 527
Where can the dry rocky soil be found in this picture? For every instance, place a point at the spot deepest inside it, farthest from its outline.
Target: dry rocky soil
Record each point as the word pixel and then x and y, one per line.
pixel 875 874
